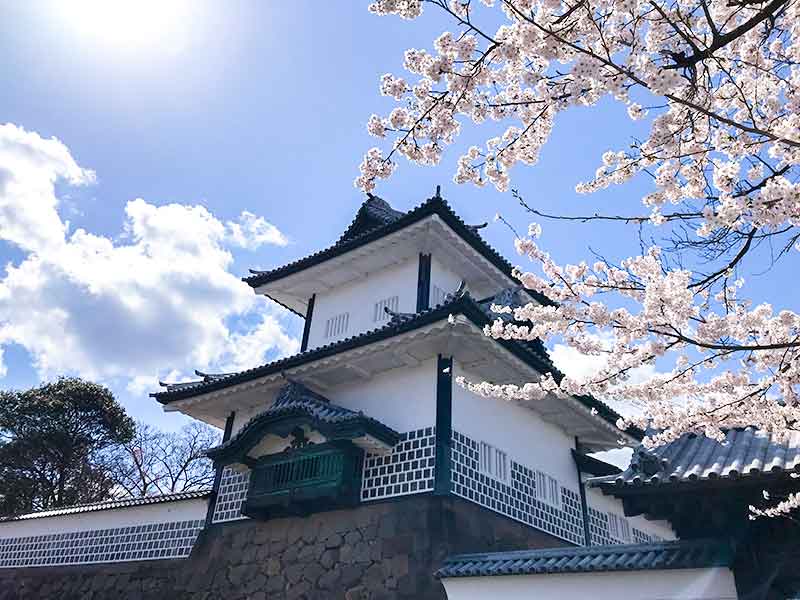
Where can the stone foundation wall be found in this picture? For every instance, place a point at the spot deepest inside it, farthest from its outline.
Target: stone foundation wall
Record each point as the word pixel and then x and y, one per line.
pixel 379 551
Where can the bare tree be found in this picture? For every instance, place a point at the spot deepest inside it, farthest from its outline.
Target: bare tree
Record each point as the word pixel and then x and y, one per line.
pixel 160 462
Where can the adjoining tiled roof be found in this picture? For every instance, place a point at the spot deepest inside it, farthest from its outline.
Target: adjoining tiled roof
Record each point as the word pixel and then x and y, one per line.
pixel 532 353
pixel 376 219
pixel 296 400
pixel 746 452
pixel 633 557
pixel 111 505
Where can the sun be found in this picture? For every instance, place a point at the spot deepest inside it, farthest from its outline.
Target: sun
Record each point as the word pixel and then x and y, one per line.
pixel 129 23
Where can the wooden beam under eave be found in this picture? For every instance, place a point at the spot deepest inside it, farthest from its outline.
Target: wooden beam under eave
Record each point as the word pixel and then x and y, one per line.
pixel 358 370
pixel 406 358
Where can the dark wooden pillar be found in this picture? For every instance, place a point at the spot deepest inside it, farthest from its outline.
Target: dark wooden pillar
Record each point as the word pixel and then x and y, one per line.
pixel 424 282
pixel 307 324
pixel 444 424
pixel 212 502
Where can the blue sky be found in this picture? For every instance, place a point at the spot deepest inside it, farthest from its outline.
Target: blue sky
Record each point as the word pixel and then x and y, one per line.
pixel 243 107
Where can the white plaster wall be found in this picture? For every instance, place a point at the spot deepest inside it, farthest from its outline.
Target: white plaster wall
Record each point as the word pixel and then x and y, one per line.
pixel 402 398
pixel 683 584
pixel 518 431
pixel 243 415
pixel 183 510
pixel 443 277
pixel 359 297
pixel 597 500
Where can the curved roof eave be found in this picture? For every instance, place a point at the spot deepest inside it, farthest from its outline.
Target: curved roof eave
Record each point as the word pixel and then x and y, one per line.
pixel 464 305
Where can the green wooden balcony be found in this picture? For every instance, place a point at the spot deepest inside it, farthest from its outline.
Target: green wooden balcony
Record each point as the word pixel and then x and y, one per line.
pixel 305 480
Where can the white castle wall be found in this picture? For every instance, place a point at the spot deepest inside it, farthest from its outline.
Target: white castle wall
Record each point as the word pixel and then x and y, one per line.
pixel 599 501
pixel 358 298
pixel 442 278
pixel 403 398
pixel 155 531
pixel 181 510
pixel 533 445
pixel 516 430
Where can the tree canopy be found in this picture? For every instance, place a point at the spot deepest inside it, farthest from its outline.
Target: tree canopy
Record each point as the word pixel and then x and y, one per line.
pixel 53 443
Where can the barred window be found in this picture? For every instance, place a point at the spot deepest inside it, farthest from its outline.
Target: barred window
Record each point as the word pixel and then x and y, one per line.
pixel 336 326
pixel 547 489
pixel 379 313
pixel 493 462
pixel 619 527
pixel 437 295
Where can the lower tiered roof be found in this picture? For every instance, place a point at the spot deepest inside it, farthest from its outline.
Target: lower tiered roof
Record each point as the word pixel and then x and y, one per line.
pixel 475 311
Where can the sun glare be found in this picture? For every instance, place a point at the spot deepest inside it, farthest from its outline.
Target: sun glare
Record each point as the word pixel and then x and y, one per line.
pixel 130 23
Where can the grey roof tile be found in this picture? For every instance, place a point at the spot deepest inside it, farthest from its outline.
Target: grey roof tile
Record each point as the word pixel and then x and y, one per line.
pixel 633 557
pixel 746 452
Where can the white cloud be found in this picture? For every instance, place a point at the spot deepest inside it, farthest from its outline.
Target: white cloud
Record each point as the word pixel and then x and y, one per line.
pixel 581 366
pixel 575 364
pixel 250 349
pixel 252 232
pixel 161 298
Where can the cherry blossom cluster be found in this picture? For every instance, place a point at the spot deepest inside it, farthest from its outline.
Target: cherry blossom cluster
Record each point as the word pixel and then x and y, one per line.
pixel 722 77
pixel 782 508
pixel 718 84
pixel 729 361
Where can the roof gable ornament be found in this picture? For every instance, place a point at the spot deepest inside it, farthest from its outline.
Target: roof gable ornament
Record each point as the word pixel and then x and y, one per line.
pixel 297 407
pixel 647 463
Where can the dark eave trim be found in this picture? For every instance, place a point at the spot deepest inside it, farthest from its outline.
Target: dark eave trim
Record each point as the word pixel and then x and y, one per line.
pixel 307 324
pixel 424 282
pixel 755 482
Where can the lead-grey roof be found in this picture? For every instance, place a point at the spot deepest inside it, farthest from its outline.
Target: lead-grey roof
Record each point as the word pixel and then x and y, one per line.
pixel 632 557
pixel 746 452
pixel 111 505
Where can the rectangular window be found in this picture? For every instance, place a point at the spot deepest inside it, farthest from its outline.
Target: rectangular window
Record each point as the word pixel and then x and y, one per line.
pixel 379 313
pixel 619 527
pixel 437 295
pixel 336 326
pixel 493 462
pixel 547 489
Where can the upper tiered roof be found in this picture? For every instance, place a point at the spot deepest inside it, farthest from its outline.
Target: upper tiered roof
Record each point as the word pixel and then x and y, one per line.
pixel 377 221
